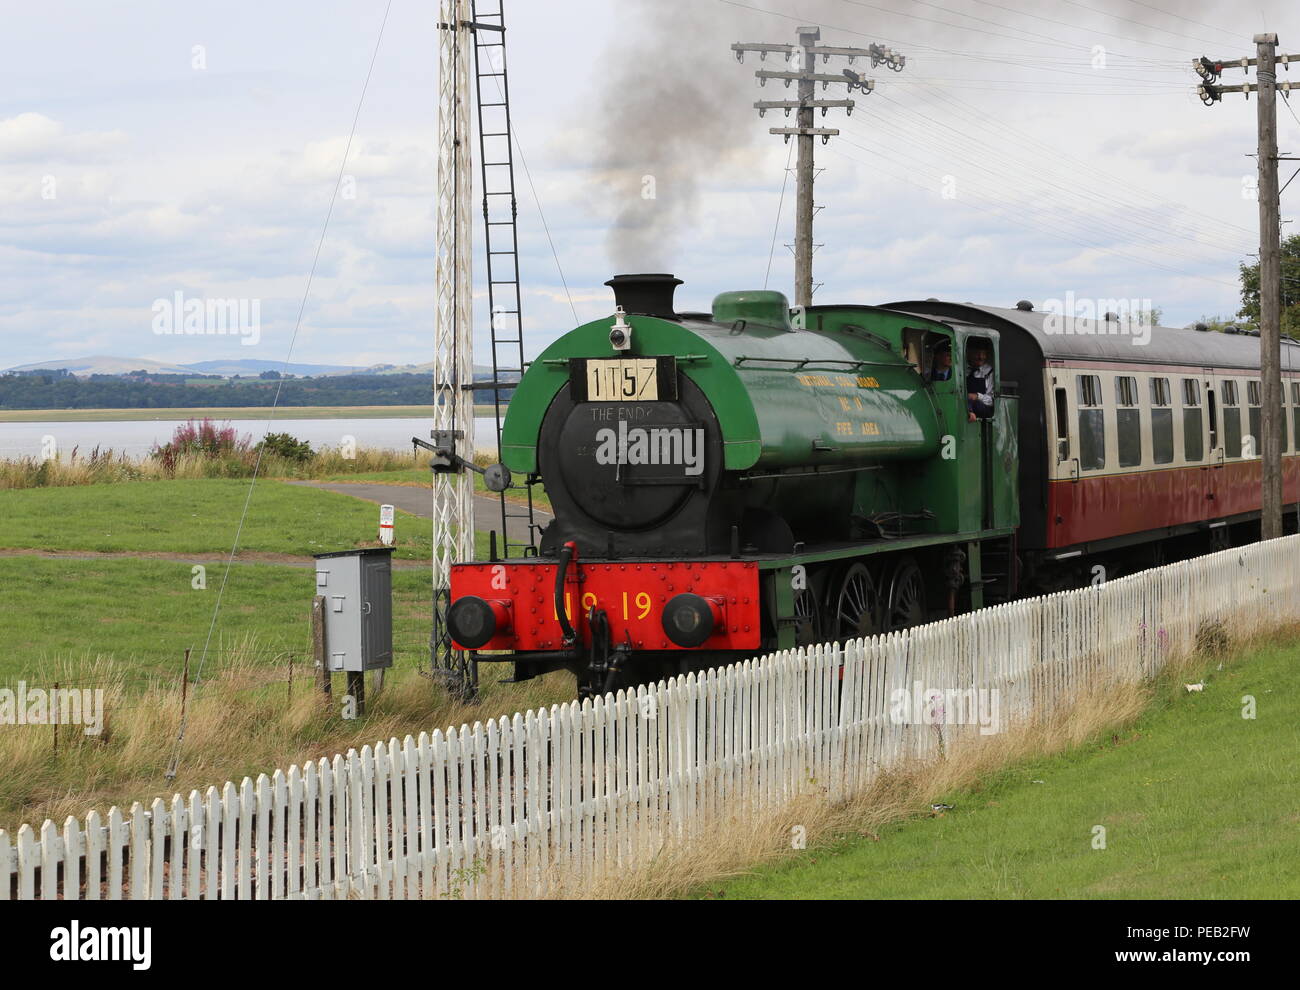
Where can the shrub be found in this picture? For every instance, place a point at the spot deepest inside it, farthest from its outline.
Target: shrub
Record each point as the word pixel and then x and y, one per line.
pixel 287 446
pixel 203 441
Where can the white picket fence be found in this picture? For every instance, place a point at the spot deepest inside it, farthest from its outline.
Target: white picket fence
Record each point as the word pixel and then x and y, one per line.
pixel 564 798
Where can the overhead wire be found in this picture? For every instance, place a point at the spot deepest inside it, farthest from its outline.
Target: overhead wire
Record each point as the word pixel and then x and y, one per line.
pixel 1150 27
pixel 780 206
pixel 1079 184
pixel 1068 223
pixel 537 201
pixel 1138 198
pixel 1002 214
pixel 1074 27
pixel 1024 59
pixel 1180 17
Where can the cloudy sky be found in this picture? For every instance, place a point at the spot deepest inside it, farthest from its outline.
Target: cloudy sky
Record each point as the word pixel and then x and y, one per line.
pixel 1028 149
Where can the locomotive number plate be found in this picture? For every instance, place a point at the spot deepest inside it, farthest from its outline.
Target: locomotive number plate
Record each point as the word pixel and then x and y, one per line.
pixel 623 379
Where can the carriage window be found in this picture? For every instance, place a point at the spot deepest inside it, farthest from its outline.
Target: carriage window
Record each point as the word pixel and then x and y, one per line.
pixel 1232 441
pixel 1253 444
pixel 1162 423
pixel 1286 423
pixel 1193 437
pixel 1160 392
pixel 1295 415
pixel 1128 421
pixel 1089 390
pixel 1062 426
pixel 1092 424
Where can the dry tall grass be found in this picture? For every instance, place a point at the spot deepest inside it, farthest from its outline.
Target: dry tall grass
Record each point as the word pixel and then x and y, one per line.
pixel 241 721
pixel 733 846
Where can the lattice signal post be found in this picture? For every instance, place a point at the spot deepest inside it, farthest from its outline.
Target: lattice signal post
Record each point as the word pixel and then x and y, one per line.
pixel 453 360
pixel 804 56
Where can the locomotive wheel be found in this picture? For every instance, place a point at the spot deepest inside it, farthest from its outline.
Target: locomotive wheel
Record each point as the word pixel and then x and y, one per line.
pixel 906 597
pixel 808 617
pixel 855 604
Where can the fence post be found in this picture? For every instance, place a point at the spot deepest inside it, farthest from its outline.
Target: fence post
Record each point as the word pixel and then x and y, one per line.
pixel 318 646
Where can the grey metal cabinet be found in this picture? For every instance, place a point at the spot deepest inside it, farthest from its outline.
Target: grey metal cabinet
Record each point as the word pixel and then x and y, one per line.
pixel 358 589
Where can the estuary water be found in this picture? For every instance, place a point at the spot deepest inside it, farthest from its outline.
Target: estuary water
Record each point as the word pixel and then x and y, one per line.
pixel 137 438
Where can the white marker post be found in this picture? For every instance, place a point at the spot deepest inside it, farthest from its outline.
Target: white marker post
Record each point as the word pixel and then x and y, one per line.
pixel 386 525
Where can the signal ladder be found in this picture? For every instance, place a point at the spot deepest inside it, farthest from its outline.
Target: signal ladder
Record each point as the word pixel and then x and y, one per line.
pixel 496 157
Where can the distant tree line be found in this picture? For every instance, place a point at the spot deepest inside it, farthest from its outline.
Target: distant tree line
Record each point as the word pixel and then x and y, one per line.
pixel 53 390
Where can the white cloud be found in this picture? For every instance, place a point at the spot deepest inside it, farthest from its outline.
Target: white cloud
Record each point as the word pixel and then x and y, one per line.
pixel 34 137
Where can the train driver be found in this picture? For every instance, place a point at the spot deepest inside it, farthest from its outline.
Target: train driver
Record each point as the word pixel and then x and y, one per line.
pixel 979 382
pixel 941 368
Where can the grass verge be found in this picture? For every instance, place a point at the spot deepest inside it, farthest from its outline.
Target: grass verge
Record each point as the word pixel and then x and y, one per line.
pixel 242 721
pixel 1196 801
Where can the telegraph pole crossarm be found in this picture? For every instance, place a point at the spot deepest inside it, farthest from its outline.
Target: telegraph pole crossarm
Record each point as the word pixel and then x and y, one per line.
pixel 1211 90
pixel 825 133
pixel 801 61
pixel 762 106
pixel 825 78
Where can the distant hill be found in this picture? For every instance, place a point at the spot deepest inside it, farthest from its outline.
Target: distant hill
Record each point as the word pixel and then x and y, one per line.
pixel 247 366
pixel 480 370
pixel 102 365
pixel 244 367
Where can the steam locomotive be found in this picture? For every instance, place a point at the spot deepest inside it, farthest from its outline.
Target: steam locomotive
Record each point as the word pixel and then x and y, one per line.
pixel 752 478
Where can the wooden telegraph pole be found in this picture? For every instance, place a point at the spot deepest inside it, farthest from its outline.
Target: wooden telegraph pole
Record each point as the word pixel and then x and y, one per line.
pixel 1270 259
pixel 807 50
pixel 804 174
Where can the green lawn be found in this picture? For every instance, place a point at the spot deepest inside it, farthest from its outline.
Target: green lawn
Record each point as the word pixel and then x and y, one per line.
pixel 1196 801
pixel 146 612
pixel 197 516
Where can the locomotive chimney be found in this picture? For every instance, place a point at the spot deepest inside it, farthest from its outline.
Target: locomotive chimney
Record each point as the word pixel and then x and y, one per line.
pixel 645 295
